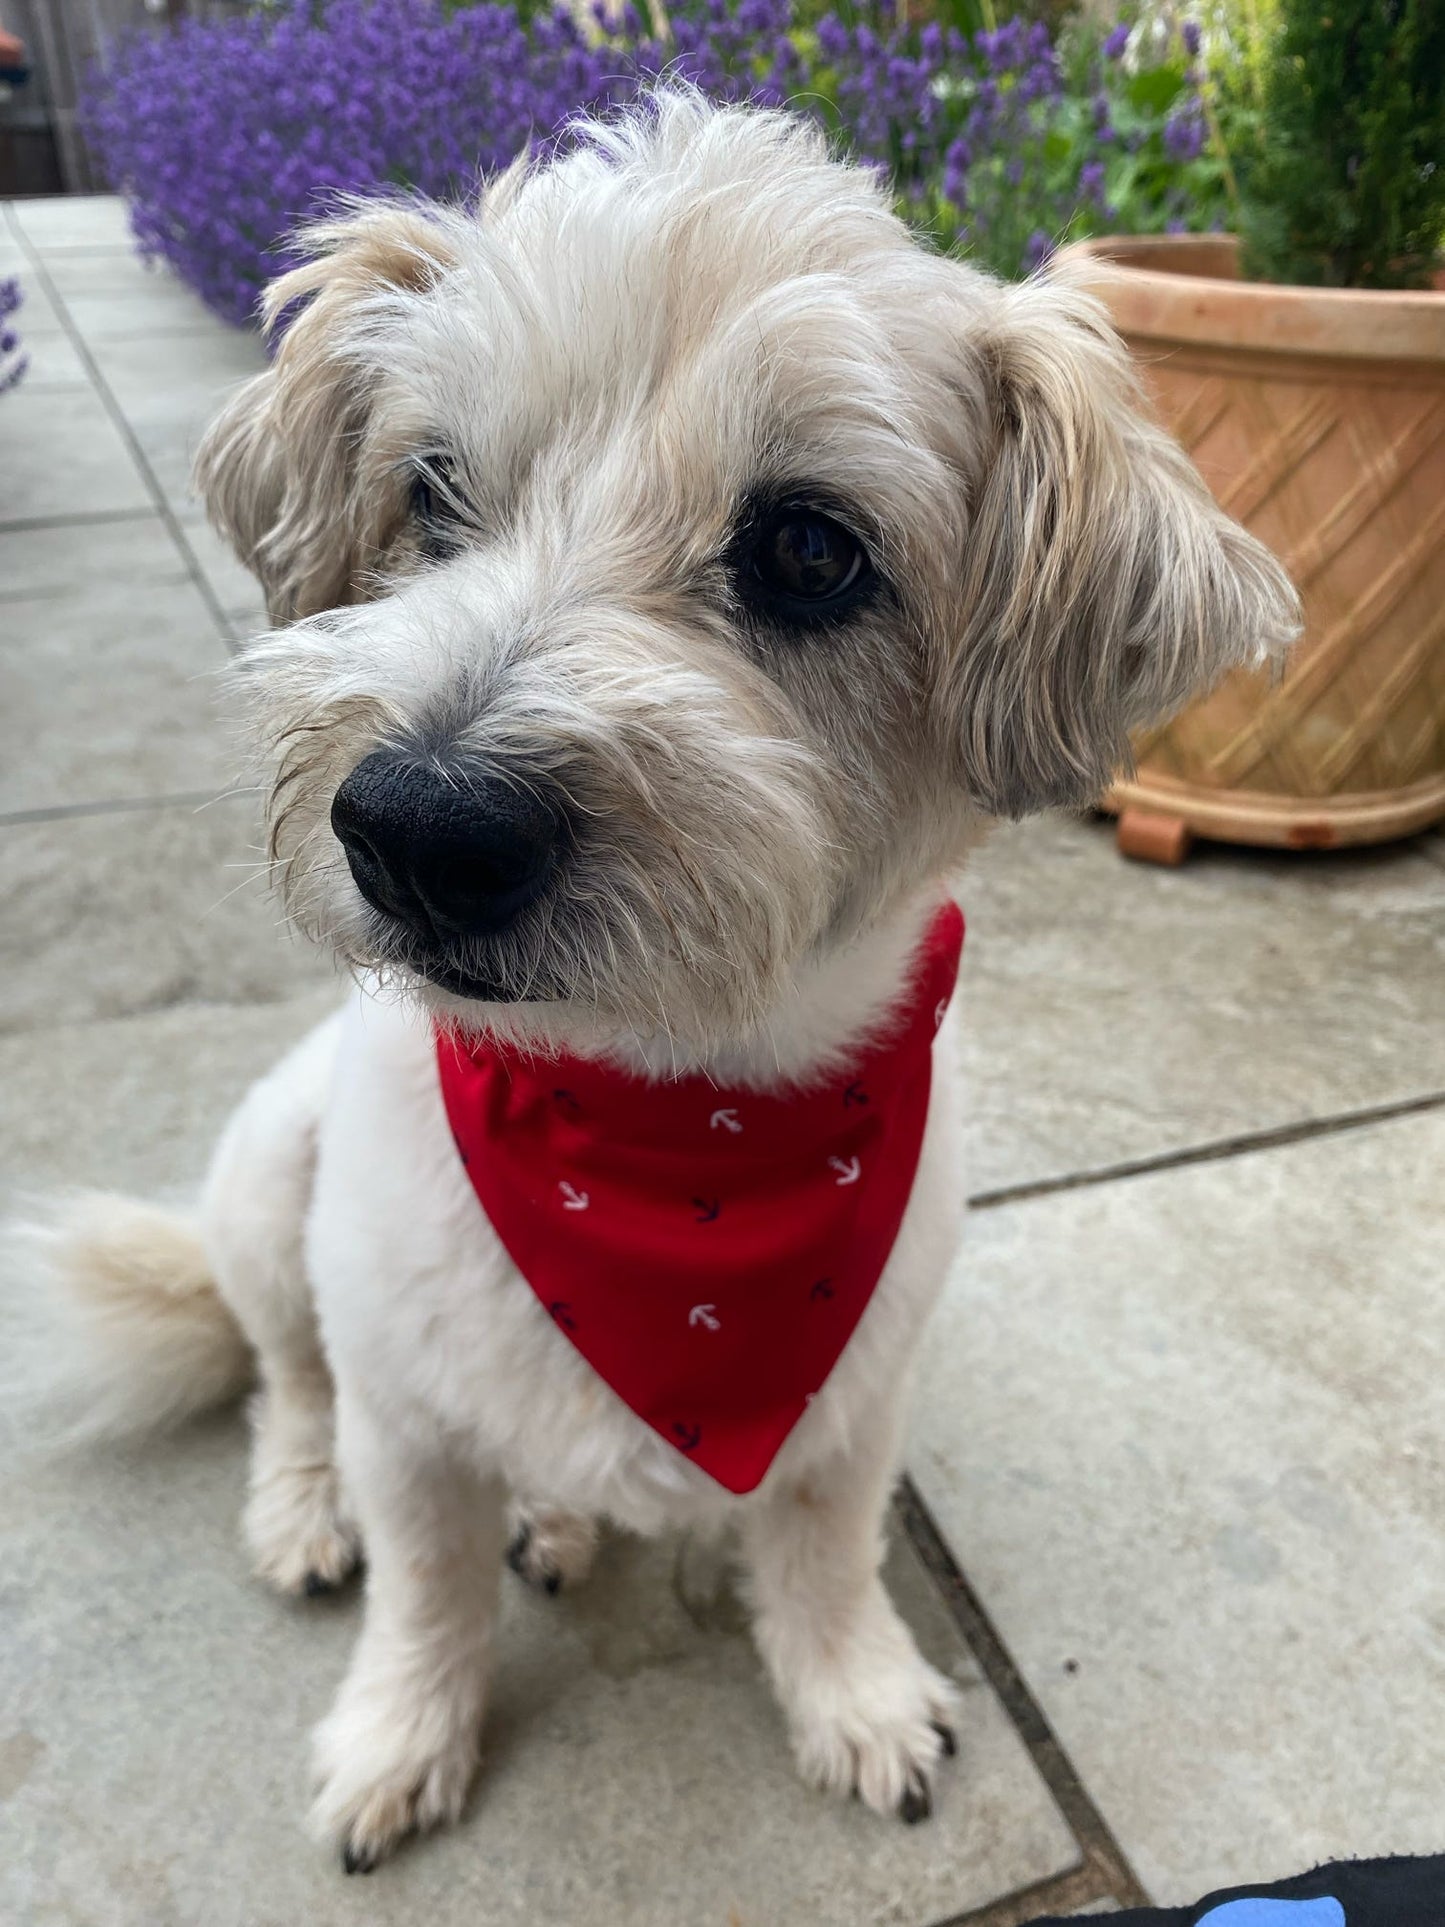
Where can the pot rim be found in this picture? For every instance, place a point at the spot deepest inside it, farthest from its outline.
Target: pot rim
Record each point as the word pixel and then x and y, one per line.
pixel 1201 301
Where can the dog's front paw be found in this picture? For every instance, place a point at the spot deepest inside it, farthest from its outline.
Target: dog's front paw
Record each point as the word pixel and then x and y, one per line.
pixel 550 1549
pixel 301 1540
pixel 876 1723
pixel 387 1765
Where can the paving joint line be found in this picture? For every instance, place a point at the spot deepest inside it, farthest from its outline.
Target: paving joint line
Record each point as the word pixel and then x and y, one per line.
pixel 1063 1893
pixel 1106 1873
pixel 226 634
pixel 177 578
pixel 97 517
pixel 116 806
pixel 1212 1151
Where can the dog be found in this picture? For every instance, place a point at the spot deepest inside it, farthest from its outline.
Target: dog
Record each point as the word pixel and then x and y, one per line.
pixel 675 567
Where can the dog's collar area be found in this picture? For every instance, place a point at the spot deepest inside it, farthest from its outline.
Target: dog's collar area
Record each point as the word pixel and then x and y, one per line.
pixel 708 1252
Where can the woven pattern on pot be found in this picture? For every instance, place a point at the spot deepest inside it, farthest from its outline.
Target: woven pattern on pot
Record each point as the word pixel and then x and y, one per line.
pixel 1340 468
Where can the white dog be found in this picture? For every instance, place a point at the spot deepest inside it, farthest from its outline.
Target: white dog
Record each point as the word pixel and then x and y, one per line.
pixel 675 566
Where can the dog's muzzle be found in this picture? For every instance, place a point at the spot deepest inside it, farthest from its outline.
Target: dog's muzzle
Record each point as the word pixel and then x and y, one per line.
pixel 452 854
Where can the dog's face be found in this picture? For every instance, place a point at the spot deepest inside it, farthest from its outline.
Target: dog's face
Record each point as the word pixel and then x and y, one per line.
pixel 681 564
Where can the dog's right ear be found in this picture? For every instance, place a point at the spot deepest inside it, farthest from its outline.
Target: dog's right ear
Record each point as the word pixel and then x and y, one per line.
pixel 1102 585
pixel 292 473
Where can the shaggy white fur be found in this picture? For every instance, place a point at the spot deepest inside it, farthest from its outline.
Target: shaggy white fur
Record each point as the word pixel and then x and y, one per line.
pixel 598 378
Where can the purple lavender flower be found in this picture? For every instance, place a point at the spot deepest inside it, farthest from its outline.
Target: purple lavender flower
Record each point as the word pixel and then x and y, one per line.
pixel 1037 249
pixel 1006 49
pixel 225 131
pixel 12 363
pixel 1184 131
pixel 1190 35
pixel 956 163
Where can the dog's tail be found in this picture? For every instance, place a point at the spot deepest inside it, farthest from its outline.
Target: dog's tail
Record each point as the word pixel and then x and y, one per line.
pixel 111 1324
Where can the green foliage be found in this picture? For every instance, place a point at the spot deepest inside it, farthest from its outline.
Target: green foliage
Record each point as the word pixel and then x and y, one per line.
pixel 1344 183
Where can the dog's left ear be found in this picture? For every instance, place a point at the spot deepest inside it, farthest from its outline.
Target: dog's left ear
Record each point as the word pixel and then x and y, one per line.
pixel 1103 586
pixel 292 471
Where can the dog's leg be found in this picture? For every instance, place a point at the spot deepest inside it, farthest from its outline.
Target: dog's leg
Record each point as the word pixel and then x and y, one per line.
pixel 300 1533
pixel 253 1217
pixel 550 1549
pixel 398 1750
pixel 866 1712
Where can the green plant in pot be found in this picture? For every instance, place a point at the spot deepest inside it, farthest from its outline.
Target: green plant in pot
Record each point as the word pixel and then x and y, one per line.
pixel 1302 363
pixel 1343 185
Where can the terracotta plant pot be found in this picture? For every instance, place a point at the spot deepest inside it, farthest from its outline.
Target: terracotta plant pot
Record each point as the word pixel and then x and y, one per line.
pixel 1317 416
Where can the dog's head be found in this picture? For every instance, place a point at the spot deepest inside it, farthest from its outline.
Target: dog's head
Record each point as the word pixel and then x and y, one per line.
pixel 681 563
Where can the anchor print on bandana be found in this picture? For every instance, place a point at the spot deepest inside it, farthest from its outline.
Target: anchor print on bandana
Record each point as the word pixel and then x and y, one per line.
pixel 708 1252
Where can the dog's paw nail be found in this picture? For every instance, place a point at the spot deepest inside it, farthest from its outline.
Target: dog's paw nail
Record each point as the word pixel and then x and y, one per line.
pixel 530 1565
pixel 316 1586
pixel 916 1804
pixel 357 1859
pixel 947 1739
pixel 517 1551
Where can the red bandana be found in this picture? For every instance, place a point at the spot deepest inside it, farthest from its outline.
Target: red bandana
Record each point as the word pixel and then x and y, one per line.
pixel 709 1252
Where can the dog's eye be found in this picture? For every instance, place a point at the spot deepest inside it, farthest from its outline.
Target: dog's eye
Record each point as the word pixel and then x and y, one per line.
pixel 435 506
pixel 806 562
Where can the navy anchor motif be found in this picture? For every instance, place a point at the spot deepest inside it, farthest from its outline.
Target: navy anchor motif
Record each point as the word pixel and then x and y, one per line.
pixel 707 1209
pixel 560 1310
pixel 821 1291
pixel 689 1437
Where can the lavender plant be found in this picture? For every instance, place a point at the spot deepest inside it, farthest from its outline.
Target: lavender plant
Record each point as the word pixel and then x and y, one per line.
pixel 12 362
pixel 225 132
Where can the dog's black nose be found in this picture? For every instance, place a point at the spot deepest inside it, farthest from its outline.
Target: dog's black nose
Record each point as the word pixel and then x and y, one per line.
pixel 452 853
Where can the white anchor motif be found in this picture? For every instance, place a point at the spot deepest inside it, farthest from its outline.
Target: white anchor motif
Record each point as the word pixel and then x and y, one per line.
pixel 938 1011
pixel 572 1198
pixel 726 1120
pixel 849 1169
pixel 705 1315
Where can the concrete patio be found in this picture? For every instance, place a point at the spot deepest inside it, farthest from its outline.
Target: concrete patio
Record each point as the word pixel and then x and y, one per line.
pixel 1176 1510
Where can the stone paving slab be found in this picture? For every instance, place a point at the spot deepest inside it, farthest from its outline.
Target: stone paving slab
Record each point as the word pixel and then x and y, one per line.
pixel 123 554
pixel 111 693
pixel 236 589
pixel 57 223
pixel 135 1104
pixel 1187 1434
pixel 51 361
pixel 1114 1010
pixel 37 313
pixel 101 270
pixel 161 307
pixel 170 387
pixel 64 456
pixel 114 915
